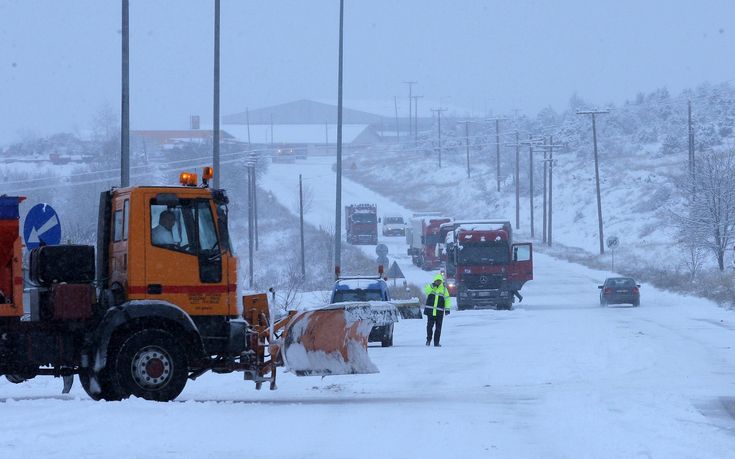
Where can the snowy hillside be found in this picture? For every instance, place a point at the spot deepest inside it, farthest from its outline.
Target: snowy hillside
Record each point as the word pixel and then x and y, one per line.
pixel 643 160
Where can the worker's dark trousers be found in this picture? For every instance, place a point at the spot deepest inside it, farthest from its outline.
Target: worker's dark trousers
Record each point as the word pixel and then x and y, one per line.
pixel 430 321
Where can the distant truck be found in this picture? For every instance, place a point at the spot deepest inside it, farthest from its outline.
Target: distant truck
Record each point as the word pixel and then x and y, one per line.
pixel 486 267
pixel 394 226
pixel 424 242
pixel 361 222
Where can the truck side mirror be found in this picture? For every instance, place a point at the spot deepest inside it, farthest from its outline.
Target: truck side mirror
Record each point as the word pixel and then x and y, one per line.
pixel 515 254
pixel 423 239
pixel 380 220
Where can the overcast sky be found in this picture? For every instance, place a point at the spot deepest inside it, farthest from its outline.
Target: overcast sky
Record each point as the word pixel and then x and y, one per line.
pixel 60 60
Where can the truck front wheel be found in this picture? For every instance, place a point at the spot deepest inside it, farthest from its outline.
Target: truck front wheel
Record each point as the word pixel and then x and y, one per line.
pixel 152 365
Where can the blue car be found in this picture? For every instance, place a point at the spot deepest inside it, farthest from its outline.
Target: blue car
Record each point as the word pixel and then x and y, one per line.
pixel 348 289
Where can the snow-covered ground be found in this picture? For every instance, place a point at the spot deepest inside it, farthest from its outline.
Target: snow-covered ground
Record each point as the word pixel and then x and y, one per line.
pixel 558 376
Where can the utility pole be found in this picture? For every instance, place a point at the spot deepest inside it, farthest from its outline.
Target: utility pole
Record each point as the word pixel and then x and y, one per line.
pixel 301 222
pixel 215 128
pixel 439 119
pixel 597 172
pixel 530 178
pixel 254 162
pixel 271 131
pixel 247 118
pixel 516 178
pixel 398 127
pixel 691 139
pixel 497 148
pixel 531 142
pixel 544 215
pixel 467 144
pixel 551 185
pixel 416 119
pixel 338 200
pixel 125 98
pixel 518 181
pixel 410 97
pixel 250 223
pixel 548 168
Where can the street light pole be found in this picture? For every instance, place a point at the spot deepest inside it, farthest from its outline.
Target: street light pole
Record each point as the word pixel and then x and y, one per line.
pixel 338 200
pixel 215 129
pixel 125 98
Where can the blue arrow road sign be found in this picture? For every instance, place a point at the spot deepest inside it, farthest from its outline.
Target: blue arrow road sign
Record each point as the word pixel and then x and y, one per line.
pixel 42 225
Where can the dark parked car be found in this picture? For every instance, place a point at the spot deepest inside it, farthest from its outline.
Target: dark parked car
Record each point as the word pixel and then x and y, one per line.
pixel 365 289
pixel 620 290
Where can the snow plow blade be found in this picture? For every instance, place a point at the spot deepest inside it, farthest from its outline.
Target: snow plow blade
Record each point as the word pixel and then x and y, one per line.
pixel 409 309
pixel 332 340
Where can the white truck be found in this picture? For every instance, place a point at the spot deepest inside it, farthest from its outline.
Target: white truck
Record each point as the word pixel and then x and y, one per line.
pixel 393 225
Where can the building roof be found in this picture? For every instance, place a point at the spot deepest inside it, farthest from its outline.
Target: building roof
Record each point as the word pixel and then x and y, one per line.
pixel 296 133
pixel 301 112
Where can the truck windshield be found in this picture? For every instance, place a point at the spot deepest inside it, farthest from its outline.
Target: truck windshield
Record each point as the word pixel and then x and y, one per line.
pixel 363 218
pixel 342 296
pixel 433 239
pixel 483 254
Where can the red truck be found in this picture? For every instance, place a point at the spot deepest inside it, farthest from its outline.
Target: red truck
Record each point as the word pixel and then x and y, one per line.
pixel 361 222
pixel 424 241
pixel 488 268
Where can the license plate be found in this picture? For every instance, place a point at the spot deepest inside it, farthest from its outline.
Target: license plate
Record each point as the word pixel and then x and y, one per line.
pixel 622 291
pixel 483 293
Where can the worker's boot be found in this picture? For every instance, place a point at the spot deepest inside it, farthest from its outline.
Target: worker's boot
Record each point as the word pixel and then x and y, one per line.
pixel 428 341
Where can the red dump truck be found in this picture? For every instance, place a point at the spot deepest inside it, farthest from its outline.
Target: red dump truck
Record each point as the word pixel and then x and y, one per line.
pixel 487 267
pixel 424 241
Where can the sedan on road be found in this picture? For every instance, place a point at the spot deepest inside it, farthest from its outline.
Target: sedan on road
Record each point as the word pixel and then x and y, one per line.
pixel 620 290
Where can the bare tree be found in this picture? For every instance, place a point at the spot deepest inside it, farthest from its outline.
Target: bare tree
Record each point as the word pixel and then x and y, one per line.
pixel 710 194
pixel 308 192
pixel 693 257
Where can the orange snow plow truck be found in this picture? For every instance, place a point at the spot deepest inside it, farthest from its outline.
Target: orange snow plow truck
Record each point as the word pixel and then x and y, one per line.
pixel 156 304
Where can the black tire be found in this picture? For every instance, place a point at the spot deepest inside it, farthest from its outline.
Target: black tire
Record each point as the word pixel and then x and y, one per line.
pixel 16 379
pixel 387 341
pixel 636 303
pixel 151 365
pixel 106 385
pixel 603 303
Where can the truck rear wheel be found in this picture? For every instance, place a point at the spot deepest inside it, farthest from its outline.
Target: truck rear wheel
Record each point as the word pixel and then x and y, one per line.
pixel 152 365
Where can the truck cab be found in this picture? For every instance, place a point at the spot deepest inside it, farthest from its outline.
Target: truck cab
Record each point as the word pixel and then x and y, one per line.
pixel 361 289
pixel 488 268
pixel 361 223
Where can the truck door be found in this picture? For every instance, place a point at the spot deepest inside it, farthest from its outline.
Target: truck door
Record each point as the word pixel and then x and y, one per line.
pixel 184 262
pixel 521 266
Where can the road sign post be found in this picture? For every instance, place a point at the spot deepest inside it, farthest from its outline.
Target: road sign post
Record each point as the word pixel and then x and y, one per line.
pixel 41 227
pixel 612 243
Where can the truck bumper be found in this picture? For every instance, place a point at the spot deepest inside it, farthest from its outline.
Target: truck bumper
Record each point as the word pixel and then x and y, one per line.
pixel 484 298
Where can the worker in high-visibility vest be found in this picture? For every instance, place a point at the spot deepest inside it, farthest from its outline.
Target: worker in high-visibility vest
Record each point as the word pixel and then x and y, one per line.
pixel 437 304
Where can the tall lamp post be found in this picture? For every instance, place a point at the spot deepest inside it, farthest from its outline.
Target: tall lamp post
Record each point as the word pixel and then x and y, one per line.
pixel 338 206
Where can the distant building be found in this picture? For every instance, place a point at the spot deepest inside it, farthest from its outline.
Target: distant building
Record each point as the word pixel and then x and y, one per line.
pixel 307 126
pixel 160 140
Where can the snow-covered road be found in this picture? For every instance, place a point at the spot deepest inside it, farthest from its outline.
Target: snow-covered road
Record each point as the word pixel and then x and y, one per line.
pixel 283 181
pixel 557 377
